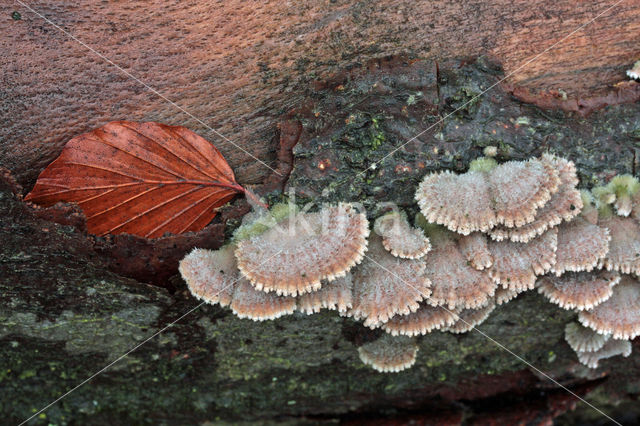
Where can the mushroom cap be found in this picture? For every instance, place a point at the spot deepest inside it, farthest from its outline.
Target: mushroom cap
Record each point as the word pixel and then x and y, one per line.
pixel 459 202
pixel 400 238
pixel 611 348
pixel 335 295
pixel 293 259
pixel 422 321
pixel 389 354
pixel 620 314
pixel 385 285
pixel 634 72
pixel 583 339
pixel 579 290
pixel 519 188
pixel 564 204
pixel 504 295
pixel 210 275
pixel 453 282
pixel 624 245
pixel 247 302
pixel 516 265
pixel 475 249
pixel 469 318
pixel 581 246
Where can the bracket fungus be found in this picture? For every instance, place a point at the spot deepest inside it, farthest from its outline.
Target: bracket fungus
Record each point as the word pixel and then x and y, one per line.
pixel 470 318
pixel 210 275
pixel 335 295
pixel 624 187
pixel 256 305
pixel 426 319
pixel 294 259
pixel 516 265
pixel 579 290
pixel 583 339
pixel 581 246
pixel 488 194
pixel 620 314
pixel 504 295
pixel 564 204
pixel 389 354
pixel 399 237
pixel 385 285
pixel 634 72
pixel 453 282
pixel 611 348
pixel 624 245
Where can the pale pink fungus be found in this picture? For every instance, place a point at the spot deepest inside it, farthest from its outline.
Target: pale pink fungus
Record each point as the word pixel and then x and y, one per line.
pixel 210 275
pixel 335 295
pixel 579 290
pixel 400 238
pixel 247 302
pixel 291 260
pixel 422 321
pixel 389 354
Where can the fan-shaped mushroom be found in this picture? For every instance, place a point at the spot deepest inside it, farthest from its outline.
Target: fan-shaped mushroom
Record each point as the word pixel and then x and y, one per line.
pixel 620 314
pixel 516 265
pixel 210 275
pixel 475 249
pixel 389 354
pixel 453 282
pixel 247 302
pixel 581 246
pixel 579 290
pixel 294 259
pixel 624 244
pixel 385 285
pixel 400 238
pixel 583 339
pixel 611 348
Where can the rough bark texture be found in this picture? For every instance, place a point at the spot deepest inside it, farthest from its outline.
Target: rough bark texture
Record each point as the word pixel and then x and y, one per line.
pixel 298 75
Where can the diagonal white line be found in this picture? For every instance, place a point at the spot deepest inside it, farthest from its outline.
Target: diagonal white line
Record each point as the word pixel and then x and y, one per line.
pixel 151 89
pixel 106 367
pixel 500 345
pixel 441 120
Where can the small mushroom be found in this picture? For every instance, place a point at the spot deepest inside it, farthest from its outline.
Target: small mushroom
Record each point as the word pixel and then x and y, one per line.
pixel 624 245
pixel 564 204
pixel 579 290
pixel 335 295
pixel 470 318
pixel 426 319
pixel 385 285
pixel 516 265
pixel 294 259
pixel 247 302
pixel 460 202
pixel 620 314
pixel 583 339
pixel 453 282
pixel 400 238
pixel 475 249
pixel 634 72
pixel 210 275
pixel 581 246
pixel 389 354
pixel 611 348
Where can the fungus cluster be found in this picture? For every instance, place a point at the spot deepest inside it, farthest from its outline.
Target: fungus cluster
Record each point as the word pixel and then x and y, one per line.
pixel 481 238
